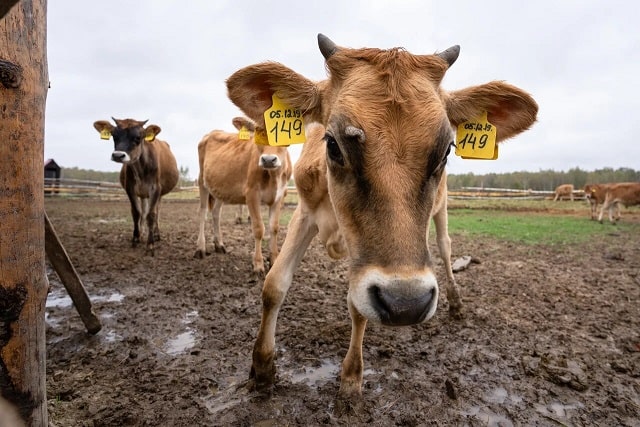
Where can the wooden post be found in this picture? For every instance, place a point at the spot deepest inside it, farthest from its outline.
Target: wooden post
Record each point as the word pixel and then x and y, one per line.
pixel 23 284
pixel 69 277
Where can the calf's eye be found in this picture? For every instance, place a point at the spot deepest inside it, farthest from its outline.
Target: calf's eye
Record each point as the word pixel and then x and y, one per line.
pixel 333 150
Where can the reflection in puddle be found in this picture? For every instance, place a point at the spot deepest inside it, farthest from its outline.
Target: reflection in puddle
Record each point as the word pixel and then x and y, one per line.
pixel 62 301
pixel 314 377
pixel 181 343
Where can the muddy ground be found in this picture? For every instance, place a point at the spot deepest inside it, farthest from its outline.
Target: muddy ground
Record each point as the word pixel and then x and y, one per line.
pixel 551 336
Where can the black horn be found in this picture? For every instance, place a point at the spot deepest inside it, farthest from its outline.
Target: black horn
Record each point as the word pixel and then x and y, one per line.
pixel 327 47
pixel 450 55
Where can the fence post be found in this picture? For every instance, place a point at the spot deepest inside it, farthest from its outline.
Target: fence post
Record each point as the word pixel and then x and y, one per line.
pixel 23 285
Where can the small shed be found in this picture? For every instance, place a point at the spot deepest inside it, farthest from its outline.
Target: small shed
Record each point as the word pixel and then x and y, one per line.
pixel 51 177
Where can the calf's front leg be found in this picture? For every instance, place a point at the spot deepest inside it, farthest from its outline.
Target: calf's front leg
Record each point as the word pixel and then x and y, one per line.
pixel 301 231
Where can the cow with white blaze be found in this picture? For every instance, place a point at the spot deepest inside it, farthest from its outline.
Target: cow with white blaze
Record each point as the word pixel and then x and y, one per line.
pixel 369 180
pixel 238 171
pixel 149 171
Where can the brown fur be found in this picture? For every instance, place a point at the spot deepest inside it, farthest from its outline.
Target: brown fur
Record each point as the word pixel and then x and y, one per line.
pixel 151 173
pixel 624 193
pixel 595 194
pixel 229 173
pixel 564 190
pixel 392 123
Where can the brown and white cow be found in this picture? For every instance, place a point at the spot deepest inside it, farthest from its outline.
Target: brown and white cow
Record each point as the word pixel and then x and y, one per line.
pixel 237 171
pixel 564 190
pixel 595 193
pixel 370 179
pixel 624 193
pixel 149 171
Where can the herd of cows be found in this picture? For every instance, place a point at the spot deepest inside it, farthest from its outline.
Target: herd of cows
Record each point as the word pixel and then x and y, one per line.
pixel 370 177
pixel 609 196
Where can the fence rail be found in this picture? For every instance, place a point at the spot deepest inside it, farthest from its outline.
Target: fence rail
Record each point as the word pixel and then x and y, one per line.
pixel 100 189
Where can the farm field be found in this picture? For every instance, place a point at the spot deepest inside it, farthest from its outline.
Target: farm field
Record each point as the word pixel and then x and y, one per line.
pixel 550 334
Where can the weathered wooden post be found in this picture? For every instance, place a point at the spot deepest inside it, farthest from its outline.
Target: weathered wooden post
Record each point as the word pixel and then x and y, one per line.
pixel 23 285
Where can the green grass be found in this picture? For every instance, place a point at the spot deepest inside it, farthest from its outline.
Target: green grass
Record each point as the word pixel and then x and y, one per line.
pixel 532 227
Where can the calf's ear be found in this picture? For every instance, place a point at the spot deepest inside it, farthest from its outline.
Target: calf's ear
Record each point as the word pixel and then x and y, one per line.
pixel 150 132
pixel 240 122
pixel 509 108
pixel 102 125
pixel 252 87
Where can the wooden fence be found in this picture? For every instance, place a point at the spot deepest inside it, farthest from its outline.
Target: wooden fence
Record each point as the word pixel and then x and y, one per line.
pixel 111 190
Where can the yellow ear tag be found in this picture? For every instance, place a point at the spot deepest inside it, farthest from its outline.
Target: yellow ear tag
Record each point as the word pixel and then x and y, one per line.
pixel 260 137
pixel 283 125
pixel 244 134
pixel 105 134
pixel 149 137
pixel 476 139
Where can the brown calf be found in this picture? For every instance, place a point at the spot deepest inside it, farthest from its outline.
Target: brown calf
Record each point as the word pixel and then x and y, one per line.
pixel 624 193
pixel 370 179
pixel 595 193
pixel 236 171
pixel 149 171
pixel 564 190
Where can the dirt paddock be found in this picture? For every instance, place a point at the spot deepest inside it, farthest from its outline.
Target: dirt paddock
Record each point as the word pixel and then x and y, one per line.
pixel 550 337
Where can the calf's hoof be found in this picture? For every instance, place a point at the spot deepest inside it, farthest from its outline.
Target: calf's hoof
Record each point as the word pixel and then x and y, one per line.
pixel 220 249
pixel 199 254
pixel 263 379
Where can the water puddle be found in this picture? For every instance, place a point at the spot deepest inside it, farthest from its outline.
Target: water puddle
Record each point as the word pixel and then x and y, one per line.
pixel 488 418
pixel 314 377
pixel 557 410
pixel 62 300
pixel 184 341
pixel 235 394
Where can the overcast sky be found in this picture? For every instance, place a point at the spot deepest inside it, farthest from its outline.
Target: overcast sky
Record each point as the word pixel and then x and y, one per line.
pixel 167 61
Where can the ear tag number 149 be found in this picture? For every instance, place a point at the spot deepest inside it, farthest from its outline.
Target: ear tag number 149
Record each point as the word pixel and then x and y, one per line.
pixel 476 139
pixel 283 125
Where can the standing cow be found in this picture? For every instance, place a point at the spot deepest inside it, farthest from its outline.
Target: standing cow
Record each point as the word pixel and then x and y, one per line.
pixel 595 194
pixel 238 171
pixel 149 171
pixel 370 179
pixel 564 190
pixel 624 193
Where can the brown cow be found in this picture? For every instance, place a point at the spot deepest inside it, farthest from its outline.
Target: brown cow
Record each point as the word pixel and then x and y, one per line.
pixel 595 193
pixel 236 171
pixel 564 190
pixel 624 193
pixel 149 171
pixel 370 179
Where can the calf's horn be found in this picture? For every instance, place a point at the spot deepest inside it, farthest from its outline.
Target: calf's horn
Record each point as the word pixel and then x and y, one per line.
pixel 327 47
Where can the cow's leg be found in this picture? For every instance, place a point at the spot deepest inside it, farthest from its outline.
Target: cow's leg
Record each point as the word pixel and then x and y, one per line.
pixel 257 225
pixel 239 214
pixel 274 228
pixel 135 216
pixel 201 245
pixel 301 231
pixel 444 246
pixel 218 244
pixel 144 214
pixel 152 219
pixel 352 365
pixel 156 230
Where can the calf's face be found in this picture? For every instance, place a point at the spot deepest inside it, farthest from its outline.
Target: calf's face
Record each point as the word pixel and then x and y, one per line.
pixel 128 137
pixel 389 129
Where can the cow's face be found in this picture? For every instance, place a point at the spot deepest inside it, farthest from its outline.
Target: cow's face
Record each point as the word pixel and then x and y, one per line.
pixel 128 136
pixel 389 129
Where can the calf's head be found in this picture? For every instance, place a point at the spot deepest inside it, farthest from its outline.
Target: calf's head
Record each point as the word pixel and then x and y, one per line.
pixel 128 136
pixel 389 129
pixel 269 157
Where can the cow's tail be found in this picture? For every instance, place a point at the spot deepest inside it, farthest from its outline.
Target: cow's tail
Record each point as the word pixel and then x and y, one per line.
pixel 210 202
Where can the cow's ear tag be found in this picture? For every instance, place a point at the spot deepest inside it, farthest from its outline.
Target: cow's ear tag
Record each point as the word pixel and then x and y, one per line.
pixel 476 139
pixel 283 125
pixel 105 134
pixel 149 137
pixel 244 134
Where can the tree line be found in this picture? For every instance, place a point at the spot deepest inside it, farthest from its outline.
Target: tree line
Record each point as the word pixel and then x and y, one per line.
pixel 93 175
pixel 543 180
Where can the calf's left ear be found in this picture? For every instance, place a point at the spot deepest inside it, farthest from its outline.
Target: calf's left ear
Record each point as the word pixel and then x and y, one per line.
pixel 509 108
pixel 103 126
pixel 150 132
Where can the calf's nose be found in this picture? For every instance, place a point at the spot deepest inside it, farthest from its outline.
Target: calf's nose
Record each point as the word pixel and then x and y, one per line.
pixel 118 156
pixel 269 161
pixel 395 309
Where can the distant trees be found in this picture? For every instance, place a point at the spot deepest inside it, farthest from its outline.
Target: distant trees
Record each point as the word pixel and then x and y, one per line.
pixel 543 179
pixel 89 175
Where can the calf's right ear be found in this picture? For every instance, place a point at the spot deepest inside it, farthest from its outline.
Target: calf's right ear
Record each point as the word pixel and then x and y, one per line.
pixel 251 89
pixel 104 128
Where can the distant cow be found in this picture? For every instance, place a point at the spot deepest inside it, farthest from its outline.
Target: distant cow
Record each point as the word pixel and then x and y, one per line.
pixel 564 190
pixel 149 171
pixel 238 171
pixel 370 179
pixel 595 193
pixel 624 193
